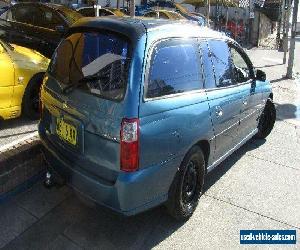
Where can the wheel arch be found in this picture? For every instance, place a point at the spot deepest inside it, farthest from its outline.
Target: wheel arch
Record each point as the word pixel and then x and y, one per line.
pixel 205 147
pixel 33 78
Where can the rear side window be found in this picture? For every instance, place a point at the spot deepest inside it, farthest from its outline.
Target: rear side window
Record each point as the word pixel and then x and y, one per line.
pixel 221 59
pixel 87 12
pixel 174 68
pixel 25 14
pixel 97 63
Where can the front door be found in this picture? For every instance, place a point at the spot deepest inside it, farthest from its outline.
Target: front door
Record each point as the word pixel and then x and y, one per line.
pixel 244 78
pixel 6 79
pixel 223 95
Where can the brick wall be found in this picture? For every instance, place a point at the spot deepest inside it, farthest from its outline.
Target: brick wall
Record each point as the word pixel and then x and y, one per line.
pixel 20 164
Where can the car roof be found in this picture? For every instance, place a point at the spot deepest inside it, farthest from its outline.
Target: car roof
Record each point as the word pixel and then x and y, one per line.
pixel 134 28
pixel 50 5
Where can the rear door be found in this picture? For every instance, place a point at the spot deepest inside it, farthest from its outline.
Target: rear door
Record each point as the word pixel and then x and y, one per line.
pixel 224 97
pixel 84 98
pixel 174 113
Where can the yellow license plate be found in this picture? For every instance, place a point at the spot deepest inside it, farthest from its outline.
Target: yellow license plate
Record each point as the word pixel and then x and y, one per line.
pixel 66 131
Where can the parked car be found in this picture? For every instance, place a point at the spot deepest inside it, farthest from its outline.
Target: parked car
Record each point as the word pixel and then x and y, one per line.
pixel 169 5
pixel 41 24
pixel 22 71
pixel 192 16
pixel 145 109
pixel 201 19
pixel 164 14
pixel 3 6
pixel 90 12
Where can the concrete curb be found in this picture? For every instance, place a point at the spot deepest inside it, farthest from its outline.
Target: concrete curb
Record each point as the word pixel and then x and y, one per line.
pixel 20 163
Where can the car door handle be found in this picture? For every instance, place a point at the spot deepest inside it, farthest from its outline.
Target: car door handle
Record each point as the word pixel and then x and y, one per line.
pixel 245 102
pixel 219 111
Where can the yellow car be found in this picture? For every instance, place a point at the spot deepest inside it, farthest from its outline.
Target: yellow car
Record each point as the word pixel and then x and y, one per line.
pixel 164 14
pixel 21 74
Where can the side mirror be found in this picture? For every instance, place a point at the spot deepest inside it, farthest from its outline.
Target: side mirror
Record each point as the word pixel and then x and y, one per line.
pixel 260 75
pixel 60 29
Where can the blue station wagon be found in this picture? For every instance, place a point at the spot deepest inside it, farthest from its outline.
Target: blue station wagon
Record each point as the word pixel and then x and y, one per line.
pixel 136 112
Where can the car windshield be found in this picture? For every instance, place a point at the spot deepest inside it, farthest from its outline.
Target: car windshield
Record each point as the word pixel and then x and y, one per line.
pixel 70 15
pixel 97 63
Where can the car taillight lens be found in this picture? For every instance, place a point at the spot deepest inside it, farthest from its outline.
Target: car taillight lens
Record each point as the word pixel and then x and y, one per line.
pixel 129 145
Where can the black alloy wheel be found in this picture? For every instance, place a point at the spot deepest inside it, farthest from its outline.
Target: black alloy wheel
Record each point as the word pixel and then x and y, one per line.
pixel 266 120
pixel 186 189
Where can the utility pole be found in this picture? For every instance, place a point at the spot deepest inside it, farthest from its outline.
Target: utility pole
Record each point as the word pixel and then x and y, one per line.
pixel 132 8
pixel 208 12
pixel 286 28
pixel 280 23
pixel 289 73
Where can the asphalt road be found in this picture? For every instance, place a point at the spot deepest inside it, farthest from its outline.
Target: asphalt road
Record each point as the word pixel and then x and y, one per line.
pixel 258 187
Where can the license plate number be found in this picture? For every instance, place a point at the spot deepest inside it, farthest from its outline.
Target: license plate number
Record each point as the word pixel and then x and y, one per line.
pixel 66 131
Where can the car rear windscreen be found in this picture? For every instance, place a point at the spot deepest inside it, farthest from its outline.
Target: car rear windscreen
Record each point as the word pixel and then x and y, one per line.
pixel 97 63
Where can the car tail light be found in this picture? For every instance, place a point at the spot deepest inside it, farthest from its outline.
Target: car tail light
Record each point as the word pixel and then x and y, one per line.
pixel 129 145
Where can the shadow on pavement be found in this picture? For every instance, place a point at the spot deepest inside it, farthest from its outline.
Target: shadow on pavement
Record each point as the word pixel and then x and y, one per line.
pixel 71 223
pixel 268 65
pixel 286 111
pixel 278 80
pixel 224 166
pixel 14 123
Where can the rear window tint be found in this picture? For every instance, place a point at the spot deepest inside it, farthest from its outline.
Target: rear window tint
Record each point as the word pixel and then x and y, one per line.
pixel 174 68
pixel 97 63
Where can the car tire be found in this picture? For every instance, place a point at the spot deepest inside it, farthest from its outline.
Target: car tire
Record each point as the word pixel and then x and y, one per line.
pixel 266 120
pixel 30 104
pixel 186 188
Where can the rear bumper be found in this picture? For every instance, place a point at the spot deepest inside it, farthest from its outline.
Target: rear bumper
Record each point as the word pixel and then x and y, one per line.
pixel 132 193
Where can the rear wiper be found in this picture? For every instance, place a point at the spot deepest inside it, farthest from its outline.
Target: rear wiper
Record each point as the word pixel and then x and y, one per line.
pixel 82 81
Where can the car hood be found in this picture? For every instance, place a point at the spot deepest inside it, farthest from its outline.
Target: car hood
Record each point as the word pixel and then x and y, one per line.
pixel 29 55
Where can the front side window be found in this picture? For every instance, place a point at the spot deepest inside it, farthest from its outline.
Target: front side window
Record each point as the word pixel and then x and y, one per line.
pixel 241 70
pixel 221 59
pixel 174 68
pixel 97 63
